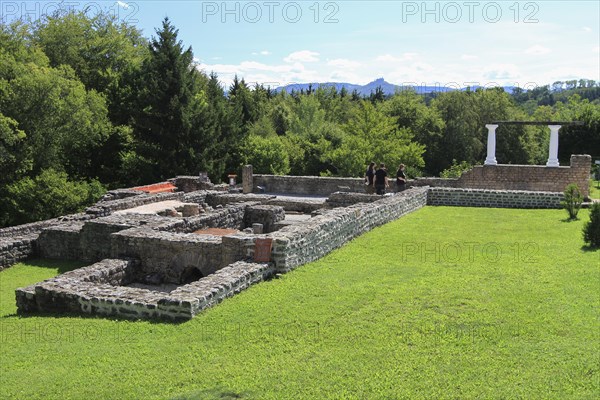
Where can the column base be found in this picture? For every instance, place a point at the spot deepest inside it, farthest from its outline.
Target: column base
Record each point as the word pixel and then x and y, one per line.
pixel 552 163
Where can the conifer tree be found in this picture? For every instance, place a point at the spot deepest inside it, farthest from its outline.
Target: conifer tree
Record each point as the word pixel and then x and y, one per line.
pixel 163 115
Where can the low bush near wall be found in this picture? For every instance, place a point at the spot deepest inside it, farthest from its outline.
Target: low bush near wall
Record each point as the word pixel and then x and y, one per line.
pixel 573 200
pixel 591 230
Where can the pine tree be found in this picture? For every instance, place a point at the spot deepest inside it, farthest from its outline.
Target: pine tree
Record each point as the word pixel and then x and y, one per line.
pixel 163 115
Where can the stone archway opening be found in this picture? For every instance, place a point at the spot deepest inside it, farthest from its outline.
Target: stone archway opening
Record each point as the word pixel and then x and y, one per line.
pixel 190 274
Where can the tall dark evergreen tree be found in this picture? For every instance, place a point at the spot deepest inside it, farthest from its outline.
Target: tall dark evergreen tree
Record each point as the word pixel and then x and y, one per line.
pixel 162 119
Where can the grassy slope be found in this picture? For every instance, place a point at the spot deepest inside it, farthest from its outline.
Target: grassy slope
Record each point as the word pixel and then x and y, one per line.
pixel 444 303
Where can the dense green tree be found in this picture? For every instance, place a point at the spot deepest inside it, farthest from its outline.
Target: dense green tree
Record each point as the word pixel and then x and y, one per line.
pixel 423 122
pixel 164 108
pixel 578 139
pixel 50 194
pixel 461 139
pixel 15 159
pixel 373 136
pixel 267 154
pixel 65 125
pixel 99 49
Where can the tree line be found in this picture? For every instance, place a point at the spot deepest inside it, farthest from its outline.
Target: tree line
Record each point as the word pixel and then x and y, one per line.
pixel 88 104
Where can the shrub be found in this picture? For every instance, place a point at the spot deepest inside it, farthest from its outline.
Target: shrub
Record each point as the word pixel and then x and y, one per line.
pixel 591 230
pixel 456 169
pixel 572 201
pixel 50 194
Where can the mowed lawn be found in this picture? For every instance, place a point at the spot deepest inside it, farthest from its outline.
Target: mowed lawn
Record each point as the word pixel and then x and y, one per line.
pixel 445 303
pixel 594 189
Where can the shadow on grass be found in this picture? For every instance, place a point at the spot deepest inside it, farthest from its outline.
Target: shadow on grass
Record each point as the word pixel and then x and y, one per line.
pixel 36 314
pixel 569 220
pixel 213 394
pixel 61 265
pixel 588 248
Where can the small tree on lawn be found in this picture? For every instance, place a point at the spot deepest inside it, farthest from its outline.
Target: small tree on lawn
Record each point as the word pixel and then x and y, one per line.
pixel 591 230
pixel 572 201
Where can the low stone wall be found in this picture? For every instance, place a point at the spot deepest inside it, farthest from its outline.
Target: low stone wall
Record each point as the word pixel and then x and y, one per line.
pixel 433 182
pixel 16 249
pixel 493 198
pixel 165 256
pixel 104 208
pixel 61 242
pixel 98 289
pixel 191 184
pixel 18 243
pixel 344 199
pixel 67 292
pixel 306 185
pixel 538 178
pixel 299 244
pixel 229 217
pixel 304 206
pixel 92 240
pixel 37 227
pixel 214 199
pixel 266 215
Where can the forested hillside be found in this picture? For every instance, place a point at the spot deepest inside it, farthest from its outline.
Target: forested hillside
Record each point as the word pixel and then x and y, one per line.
pixel 88 104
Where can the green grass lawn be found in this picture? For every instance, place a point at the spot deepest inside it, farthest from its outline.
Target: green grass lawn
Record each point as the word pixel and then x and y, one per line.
pixel 594 190
pixel 445 303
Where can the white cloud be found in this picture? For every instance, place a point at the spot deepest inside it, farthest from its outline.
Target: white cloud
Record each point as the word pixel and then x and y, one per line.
pixel 302 56
pixel 265 53
pixel 537 50
pixel 586 29
pixel 386 58
pixel 343 63
pixel 404 57
pixel 410 56
pixel 468 57
pixel 123 5
pixel 596 49
pixel 267 74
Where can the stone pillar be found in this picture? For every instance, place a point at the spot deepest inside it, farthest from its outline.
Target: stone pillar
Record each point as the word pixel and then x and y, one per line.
pixel 247 181
pixel 491 145
pixel 553 150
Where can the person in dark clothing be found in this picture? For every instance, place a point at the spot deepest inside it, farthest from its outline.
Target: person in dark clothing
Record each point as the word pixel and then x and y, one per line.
pixel 369 178
pixel 400 178
pixel 381 180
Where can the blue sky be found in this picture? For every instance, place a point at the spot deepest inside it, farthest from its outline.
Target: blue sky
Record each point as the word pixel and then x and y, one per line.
pixel 519 43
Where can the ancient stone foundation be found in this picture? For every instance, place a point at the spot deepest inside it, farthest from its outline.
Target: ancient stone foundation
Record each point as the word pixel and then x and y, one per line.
pixel 520 177
pixel 157 256
pixel 102 289
pixel 493 198
pixel 299 244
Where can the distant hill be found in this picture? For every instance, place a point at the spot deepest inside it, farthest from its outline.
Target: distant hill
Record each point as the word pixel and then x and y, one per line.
pixel 366 90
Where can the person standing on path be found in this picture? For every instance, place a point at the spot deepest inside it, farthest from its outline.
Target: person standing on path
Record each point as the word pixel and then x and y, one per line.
pixel 381 180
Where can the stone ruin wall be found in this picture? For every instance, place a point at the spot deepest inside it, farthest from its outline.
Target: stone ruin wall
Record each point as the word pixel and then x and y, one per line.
pixel 520 177
pixel 164 246
pixel 495 177
pixel 299 244
pixel 99 290
pixel 306 185
pixel 439 196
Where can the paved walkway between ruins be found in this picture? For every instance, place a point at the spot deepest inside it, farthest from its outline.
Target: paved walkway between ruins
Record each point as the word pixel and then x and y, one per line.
pixel 299 197
pixel 152 208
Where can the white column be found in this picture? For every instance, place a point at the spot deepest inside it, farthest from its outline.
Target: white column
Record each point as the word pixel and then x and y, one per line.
pixel 553 151
pixel 491 145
